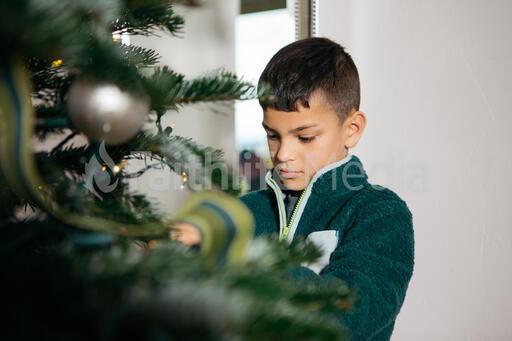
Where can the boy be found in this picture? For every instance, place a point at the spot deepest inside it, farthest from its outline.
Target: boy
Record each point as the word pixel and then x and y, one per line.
pixel 317 186
pixel 317 189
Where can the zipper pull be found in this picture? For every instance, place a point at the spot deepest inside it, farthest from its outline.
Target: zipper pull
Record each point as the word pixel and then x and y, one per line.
pixel 284 235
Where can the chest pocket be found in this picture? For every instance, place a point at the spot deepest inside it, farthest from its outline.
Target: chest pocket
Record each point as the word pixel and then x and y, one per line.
pixel 326 241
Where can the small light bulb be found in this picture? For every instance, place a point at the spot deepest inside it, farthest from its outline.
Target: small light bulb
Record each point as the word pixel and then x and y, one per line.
pixel 57 63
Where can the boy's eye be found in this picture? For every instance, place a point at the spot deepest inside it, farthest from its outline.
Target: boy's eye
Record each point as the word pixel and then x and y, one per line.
pixel 306 138
pixel 301 138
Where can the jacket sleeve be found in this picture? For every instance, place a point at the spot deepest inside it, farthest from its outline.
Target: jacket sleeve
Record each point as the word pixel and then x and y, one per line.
pixel 375 256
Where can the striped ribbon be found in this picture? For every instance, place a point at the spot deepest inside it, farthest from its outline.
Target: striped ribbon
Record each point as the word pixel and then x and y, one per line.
pixel 226 225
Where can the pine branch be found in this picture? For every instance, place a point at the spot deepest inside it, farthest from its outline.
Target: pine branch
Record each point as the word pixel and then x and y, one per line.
pixel 63 142
pixel 127 207
pixel 104 60
pixel 70 159
pixel 63 172
pixel 143 17
pixel 79 36
pixel 33 29
pixel 131 288
pixel 168 90
pixel 10 201
pixel 46 76
pixel 160 86
pixel 139 57
pixel 216 86
pixel 204 166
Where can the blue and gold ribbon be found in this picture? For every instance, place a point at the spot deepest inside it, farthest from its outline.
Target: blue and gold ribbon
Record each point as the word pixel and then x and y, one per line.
pixel 226 225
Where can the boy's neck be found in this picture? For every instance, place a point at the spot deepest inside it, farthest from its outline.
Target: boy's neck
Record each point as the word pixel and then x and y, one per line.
pixel 294 193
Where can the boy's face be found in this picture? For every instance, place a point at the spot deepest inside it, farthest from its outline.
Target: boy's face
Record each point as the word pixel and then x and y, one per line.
pixel 304 141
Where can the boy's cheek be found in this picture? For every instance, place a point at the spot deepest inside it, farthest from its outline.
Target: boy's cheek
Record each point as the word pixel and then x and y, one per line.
pixel 309 172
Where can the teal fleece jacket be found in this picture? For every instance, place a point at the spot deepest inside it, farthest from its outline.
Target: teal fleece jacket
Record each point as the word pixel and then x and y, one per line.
pixel 374 252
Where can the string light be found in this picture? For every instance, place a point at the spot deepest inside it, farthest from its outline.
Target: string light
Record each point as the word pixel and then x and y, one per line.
pixel 184 180
pixel 57 63
pixel 117 168
pixel 121 36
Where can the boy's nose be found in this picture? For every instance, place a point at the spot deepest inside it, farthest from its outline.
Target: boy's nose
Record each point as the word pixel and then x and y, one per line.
pixel 284 153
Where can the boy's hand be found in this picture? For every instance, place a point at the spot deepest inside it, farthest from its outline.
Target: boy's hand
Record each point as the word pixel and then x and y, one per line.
pixel 186 234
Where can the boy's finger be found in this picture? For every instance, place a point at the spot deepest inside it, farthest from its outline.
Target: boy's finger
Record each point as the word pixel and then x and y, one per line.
pixel 186 234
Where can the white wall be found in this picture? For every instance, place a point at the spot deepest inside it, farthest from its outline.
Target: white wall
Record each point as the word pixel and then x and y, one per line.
pixel 436 84
pixel 207 43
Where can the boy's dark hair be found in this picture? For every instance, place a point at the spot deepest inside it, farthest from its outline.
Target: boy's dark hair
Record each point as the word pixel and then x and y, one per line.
pixel 304 66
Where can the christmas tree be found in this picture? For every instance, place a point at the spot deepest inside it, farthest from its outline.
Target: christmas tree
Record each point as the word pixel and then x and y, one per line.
pixel 94 260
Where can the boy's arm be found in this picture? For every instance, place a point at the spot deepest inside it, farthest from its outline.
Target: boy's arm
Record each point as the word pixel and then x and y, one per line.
pixel 376 257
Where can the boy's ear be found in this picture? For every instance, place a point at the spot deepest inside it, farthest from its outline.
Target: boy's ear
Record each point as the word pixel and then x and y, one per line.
pixel 354 126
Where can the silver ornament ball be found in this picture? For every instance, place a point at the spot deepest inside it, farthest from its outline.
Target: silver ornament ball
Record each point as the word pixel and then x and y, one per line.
pixel 104 112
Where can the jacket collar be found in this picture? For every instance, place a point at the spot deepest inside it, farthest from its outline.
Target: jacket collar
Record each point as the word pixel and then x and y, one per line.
pixel 337 178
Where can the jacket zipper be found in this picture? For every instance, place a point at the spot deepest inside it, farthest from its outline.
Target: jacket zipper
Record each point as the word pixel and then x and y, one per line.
pixel 286 229
pixel 282 210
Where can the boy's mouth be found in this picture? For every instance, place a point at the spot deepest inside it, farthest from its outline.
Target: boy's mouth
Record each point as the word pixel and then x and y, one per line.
pixel 288 174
